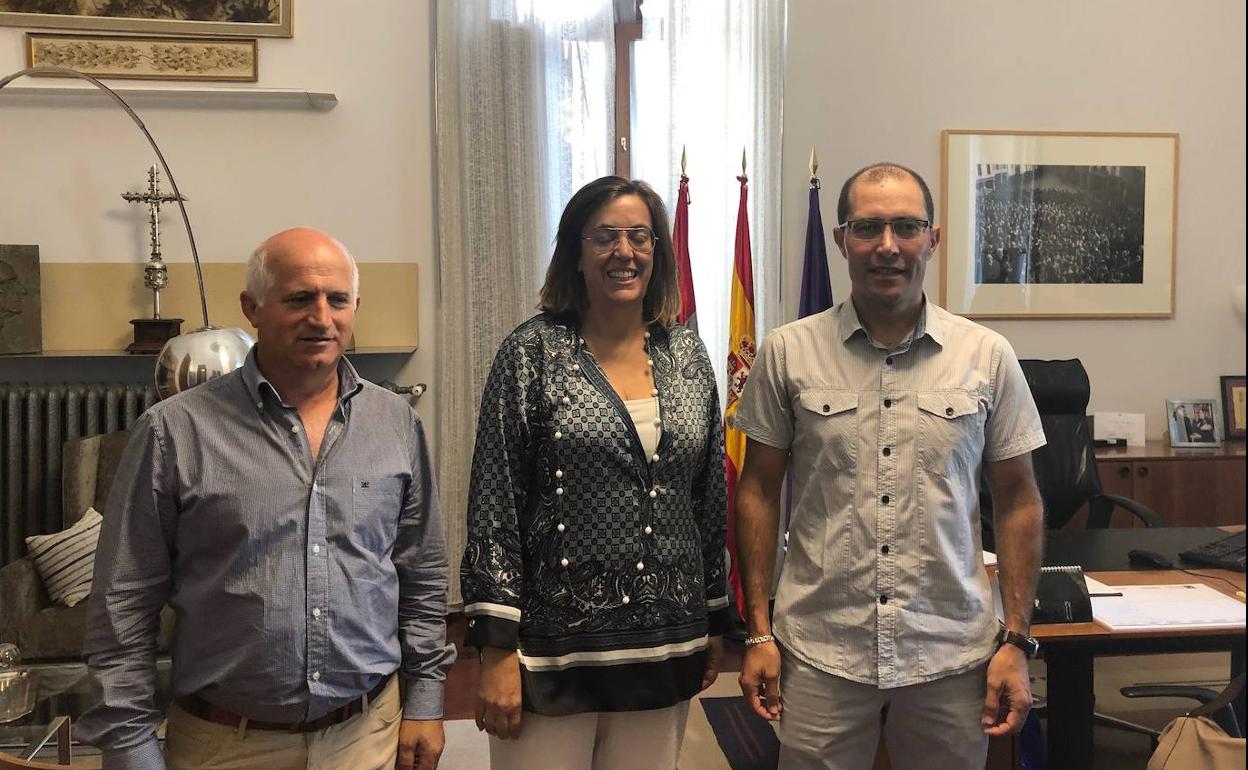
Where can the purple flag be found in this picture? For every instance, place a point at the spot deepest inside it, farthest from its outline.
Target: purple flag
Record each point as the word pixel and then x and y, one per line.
pixel 816 283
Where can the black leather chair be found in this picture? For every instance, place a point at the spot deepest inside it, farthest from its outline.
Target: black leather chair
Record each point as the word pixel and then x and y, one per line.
pixel 1218 706
pixel 1066 466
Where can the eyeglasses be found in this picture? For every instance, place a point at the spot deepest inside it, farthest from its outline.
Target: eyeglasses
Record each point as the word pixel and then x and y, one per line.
pixel 905 229
pixel 603 239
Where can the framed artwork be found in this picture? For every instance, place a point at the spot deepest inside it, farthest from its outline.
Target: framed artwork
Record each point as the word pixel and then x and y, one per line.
pixel 219 18
pixel 1058 224
pixel 146 58
pixel 1234 408
pixel 1194 422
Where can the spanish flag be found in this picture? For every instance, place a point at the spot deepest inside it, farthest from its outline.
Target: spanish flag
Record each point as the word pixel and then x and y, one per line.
pixel 741 347
pixel 680 245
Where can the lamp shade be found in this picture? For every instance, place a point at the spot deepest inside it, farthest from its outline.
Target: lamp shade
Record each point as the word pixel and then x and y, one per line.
pixel 195 357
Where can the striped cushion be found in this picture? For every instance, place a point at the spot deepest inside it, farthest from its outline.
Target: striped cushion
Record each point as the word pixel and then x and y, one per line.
pixel 66 559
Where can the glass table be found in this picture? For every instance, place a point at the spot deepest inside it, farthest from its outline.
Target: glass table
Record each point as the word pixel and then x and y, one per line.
pixel 63 693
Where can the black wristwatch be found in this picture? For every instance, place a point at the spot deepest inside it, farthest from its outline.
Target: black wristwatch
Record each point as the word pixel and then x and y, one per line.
pixel 1028 645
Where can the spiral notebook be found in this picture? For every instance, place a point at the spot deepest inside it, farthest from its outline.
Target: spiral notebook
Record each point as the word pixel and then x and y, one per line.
pixel 1062 596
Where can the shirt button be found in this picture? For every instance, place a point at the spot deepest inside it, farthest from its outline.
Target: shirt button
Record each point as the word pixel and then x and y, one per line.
pixel 654 458
pixel 316 549
pixel 654 493
pixel 884 550
pixel 559 474
pixel 576 367
pixel 641 565
pixel 884 499
pixel 883 599
pixel 649 530
pixel 624 599
pixel 316 612
pixel 654 391
pixel 316 676
pixel 827 408
pixel 294 429
pixel 560 527
pixel 563 562
pixel 558 435
pixel 559 491
pixel 888 402
pixel 649 362
pixel 887 451
pixel 889 360
pixel 949 411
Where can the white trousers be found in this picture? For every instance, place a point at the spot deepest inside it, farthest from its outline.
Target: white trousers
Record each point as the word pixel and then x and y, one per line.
pixel 619 740
pixel 830 723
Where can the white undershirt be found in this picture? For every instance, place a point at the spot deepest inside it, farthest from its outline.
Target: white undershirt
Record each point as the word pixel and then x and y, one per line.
pixel 645 414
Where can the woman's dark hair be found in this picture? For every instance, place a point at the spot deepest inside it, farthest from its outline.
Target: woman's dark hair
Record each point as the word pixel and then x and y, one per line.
pixel 563 293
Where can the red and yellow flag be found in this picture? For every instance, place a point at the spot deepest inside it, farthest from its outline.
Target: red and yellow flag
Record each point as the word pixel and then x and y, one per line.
pixel 680 244
pixel 741 347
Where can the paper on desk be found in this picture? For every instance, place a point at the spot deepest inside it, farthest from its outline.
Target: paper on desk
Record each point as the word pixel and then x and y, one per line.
pixel 1150 607
pixel 1114 425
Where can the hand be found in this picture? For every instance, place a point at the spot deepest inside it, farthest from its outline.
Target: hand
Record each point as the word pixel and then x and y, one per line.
pixel 714 655
pixel 1009 692
pixel 420 744
pixel 498 693
pixel 760 670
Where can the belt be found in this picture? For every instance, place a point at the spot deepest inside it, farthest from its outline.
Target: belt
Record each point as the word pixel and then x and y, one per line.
pixel 197 706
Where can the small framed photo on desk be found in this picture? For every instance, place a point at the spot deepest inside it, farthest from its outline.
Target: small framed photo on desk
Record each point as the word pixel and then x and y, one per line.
pixel 1194 422
pixel 1234 408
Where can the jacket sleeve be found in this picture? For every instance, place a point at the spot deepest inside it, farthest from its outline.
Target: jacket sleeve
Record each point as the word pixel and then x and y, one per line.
pixel 491 571
pixel 711 506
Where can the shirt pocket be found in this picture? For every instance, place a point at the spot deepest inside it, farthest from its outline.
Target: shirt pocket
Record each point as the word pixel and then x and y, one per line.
pixel 375 507
pixel 829 421
pixel 951 432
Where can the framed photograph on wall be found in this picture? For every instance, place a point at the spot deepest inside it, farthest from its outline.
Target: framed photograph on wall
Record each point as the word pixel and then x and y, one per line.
pixel 1058 224
pixel 222 18
pixel 1234 407
pixel 1194 422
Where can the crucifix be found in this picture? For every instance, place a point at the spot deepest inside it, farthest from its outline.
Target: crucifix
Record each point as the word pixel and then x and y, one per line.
pixel 150 334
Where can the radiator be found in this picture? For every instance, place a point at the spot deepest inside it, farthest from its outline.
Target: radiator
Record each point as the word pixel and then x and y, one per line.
pixel 35 420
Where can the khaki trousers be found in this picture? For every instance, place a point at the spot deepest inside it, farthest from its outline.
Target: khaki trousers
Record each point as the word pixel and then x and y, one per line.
pixel 367 741
pixel 620 740
pixel 830 723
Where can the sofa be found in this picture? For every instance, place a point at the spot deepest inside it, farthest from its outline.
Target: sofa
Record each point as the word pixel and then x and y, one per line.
pixel 43 630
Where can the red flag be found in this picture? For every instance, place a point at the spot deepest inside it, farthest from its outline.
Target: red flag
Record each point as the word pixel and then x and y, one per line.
pixel 741 347
pixel 680 245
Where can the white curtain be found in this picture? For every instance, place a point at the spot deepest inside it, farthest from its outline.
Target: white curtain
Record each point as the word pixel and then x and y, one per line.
pixel 710 78
pixel 524 119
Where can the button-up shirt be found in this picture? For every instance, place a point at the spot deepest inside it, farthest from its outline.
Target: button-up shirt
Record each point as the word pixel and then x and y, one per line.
pixel 884 582
pixel 298 582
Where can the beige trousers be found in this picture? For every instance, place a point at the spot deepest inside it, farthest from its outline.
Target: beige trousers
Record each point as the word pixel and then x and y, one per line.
pixel 620 740
pixel 830 723
pixel 367 741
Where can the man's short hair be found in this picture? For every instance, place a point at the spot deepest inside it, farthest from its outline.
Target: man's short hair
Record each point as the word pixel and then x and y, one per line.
pixel 877 172
pixel 258 280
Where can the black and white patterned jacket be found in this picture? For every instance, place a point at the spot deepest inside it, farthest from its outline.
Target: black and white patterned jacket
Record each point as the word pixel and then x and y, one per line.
pixel 594 560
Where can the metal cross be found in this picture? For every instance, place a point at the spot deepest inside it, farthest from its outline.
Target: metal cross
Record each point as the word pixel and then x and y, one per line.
pixel 155 274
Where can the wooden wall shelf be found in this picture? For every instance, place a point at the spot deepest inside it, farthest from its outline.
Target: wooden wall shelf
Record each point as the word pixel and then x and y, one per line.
pixel 195 96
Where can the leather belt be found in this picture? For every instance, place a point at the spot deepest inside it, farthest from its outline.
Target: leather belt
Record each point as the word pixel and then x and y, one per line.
pixel 197 706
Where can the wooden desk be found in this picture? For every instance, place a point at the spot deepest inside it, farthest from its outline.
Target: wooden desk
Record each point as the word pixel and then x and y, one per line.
pixel 1069 650
pixel 1188 486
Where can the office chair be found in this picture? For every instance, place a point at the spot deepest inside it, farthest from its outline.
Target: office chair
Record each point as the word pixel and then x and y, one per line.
pixel 1218 706
pixel 1065 467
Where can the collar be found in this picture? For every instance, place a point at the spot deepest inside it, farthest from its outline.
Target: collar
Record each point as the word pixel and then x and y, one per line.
pixel 928 324
pixel 257 384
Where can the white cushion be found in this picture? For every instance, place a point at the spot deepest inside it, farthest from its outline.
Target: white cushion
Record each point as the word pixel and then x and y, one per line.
pixel 66 559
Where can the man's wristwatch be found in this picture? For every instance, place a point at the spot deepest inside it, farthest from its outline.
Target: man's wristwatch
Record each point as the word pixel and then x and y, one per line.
pixel 1028 645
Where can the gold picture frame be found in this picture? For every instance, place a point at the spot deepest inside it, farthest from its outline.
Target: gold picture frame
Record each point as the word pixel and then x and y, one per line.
pixel 227 18
pixel 1059 224
pixel 146 58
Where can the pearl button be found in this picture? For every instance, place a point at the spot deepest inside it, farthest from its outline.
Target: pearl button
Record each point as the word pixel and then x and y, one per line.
pixel 316 612
pixel 649 362
pixel 654 458
pixel 316 676
pixel 654 493
pixel 294 429
pixel 649 530
pixel 559 474
pixel 558 490
pixel 641 565
pixel 563 562
pixel 625 600
pixel 647 334
pixel 654 391
pixel 576 367
pixel 558 435
pixel 560 527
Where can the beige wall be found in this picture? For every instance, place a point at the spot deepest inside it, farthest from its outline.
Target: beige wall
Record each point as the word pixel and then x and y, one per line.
pixel 869 81
pixel 363 171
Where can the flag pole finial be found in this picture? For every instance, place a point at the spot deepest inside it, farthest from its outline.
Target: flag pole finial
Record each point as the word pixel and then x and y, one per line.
pixel 683 160
pixel 742 160
pixel 814 162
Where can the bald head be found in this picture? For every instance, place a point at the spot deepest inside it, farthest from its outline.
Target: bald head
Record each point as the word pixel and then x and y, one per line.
pixel 290 244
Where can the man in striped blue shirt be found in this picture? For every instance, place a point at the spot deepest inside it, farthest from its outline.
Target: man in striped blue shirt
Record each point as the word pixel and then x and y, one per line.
pixel 287 512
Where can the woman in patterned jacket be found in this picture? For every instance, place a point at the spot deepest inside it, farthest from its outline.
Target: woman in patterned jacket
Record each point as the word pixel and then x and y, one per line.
pixel 593 578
